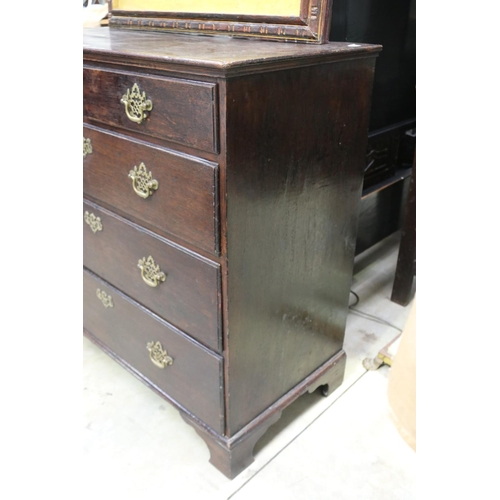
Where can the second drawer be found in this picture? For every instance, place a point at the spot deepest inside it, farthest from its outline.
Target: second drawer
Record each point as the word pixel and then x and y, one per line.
pixel 176 284
pixel 174 193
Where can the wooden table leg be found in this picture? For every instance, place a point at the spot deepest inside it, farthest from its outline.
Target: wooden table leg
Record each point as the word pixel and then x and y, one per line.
pixel 406 266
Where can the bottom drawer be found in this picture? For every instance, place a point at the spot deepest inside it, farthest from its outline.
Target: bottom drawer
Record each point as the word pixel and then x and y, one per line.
pixel 187 372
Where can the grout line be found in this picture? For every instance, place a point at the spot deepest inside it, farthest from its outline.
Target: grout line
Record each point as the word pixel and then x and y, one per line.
pixel 299 434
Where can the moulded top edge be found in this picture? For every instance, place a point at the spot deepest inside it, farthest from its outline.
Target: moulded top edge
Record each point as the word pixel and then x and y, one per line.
pixel 217 52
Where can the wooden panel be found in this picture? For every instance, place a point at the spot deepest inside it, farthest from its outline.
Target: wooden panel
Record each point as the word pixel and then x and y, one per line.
pixel 380 214
pixel 193 379
pixel 183 111
pixel 213 56
pixel 185 203
pixel 296 148
pixel 189 296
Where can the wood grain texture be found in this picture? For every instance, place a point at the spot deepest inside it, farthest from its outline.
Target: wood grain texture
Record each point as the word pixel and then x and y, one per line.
pixel 215 56
pixel 189 297
pixel 293 127
pixel 186 201
pixel 194 378
pixel 231 455
pixel 183 111
pixel 295 158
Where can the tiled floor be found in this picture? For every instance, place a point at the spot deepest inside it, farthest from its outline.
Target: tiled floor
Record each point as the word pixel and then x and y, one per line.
pixel 343 447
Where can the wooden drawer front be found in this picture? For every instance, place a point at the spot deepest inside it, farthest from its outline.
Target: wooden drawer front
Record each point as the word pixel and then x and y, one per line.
pixel 194 377
pixel 182 111
pixel 184 202
pixel 188 297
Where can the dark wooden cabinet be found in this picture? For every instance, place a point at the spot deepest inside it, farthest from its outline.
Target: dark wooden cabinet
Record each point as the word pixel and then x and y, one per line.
pixel 222 180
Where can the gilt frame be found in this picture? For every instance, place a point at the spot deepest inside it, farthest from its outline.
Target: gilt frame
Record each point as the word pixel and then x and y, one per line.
pixel 312 25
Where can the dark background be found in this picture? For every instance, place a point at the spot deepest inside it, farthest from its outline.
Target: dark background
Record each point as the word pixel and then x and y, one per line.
pixel 390 23
pixel 392 131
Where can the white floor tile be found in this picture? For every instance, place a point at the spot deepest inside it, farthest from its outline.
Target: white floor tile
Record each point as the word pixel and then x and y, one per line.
pixel 351 452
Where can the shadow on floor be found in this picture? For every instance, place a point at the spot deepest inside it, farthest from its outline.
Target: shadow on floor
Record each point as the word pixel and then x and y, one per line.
pixel 290 414
pixel 377 252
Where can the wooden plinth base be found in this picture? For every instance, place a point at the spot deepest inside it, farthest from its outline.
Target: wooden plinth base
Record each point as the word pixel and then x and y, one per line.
pixel 233 455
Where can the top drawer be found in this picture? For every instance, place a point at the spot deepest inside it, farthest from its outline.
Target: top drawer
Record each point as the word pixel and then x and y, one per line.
pixel 181 111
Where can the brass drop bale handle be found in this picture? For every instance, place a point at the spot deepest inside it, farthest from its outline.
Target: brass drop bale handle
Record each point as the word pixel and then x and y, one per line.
pixel 87 147
pixel 158 355
pixel 150 272
pixel 142 181
pixel 107 300
pixel 92 221
pixel 136 104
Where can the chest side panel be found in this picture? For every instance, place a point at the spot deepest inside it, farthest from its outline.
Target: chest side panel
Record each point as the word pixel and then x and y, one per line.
pixel 295 154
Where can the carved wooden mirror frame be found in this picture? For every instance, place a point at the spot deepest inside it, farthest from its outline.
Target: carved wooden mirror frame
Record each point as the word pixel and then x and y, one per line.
pixel 312 25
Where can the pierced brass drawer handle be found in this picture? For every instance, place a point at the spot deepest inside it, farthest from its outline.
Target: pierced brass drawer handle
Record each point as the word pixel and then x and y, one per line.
pixel 87 147
pixel 150 272
pixel 106 299
pixel 93 221
pixel 142 181
pixel 158 355
pixel 136 104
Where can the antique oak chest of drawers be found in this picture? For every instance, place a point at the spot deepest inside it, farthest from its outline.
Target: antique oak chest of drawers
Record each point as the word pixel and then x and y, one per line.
pixel 221 187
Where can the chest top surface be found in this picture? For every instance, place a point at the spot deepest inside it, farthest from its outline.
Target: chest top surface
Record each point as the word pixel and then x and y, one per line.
pixel 224 55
